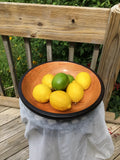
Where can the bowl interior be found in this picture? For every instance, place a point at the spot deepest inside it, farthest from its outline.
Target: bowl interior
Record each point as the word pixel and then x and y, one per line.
pixel 34 76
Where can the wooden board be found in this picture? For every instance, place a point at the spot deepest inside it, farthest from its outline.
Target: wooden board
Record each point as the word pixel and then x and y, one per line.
pixel 12 145
pixel 112 127
pixel 8 115
pixel 3 108
pixel 116 141
pixel 8 52
pixel 28 52
pixel 14 103
pixel 110 117
pixel 9 101
pixel 109 65
pixel 22 155
pixel 117 158
pixel 11 128
pixel 1 88
pixel 64 23
pixel 12 140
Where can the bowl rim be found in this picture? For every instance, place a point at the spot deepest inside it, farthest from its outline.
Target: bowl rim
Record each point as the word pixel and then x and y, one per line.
pixel 58 116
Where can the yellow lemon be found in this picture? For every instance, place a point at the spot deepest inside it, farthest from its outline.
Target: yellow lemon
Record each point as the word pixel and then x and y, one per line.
pixel 41 93
pixel 84 79
pixel 60 100
pixel 47 80
pixel 75 91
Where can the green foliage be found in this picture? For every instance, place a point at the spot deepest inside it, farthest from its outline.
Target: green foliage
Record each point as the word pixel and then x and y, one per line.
pixel 83 52
pixel 92 3
pixel 19 57
pixel 38 47
pixel 114 104
pixel 4 70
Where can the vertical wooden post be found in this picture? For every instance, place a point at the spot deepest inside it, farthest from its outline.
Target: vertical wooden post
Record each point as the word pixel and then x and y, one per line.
pixel 110 57
pixel 71 52
pixel 28 52
pixel 1 89
pixel 95 57
pixel 49 50
pixel 10 62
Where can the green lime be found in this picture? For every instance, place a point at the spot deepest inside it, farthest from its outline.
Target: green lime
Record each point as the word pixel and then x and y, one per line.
pixel 60 81
pixel 70 77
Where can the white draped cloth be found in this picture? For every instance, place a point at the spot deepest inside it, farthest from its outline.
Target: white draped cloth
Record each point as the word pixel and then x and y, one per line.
pixel 83 138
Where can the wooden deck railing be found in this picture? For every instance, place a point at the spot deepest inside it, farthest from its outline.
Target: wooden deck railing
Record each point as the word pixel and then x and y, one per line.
pixel 64 23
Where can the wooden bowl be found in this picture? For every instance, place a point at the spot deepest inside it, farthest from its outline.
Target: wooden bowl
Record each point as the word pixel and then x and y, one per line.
pixel 92 96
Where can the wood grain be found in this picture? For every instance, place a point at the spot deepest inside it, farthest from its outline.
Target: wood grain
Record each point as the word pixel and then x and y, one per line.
pixel 117 158
pixel 10 146
pixel 28 52
pixel 110 118
pixel 49 50
pixel 15 147
pixel 71 52
pixel 110 58
pixel 8 51
pixel 9 101
pixel 112 127
pixel 8 115
pixel 3 108
pixel 95 57
pixel 21 155
pixel 10 129
pixel 52 22
pixel 1 89
pixel 116 142
pixel 114 130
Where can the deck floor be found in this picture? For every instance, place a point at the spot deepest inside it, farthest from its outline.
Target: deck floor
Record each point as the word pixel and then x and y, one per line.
pixel 13 145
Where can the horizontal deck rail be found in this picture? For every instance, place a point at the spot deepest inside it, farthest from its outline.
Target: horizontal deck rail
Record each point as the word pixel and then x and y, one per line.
pixel 51 22
pixel 85 24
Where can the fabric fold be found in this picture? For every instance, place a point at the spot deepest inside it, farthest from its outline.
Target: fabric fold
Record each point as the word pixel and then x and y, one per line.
pixel 82 138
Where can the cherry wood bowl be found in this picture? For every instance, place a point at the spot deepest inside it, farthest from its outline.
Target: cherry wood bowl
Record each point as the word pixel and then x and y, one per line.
pixel 92 96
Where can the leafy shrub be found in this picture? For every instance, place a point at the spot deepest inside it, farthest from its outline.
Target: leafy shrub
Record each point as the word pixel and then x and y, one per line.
pixel 83 52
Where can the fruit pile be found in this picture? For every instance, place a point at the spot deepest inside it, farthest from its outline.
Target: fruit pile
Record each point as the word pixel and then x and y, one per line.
pixel 62 89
